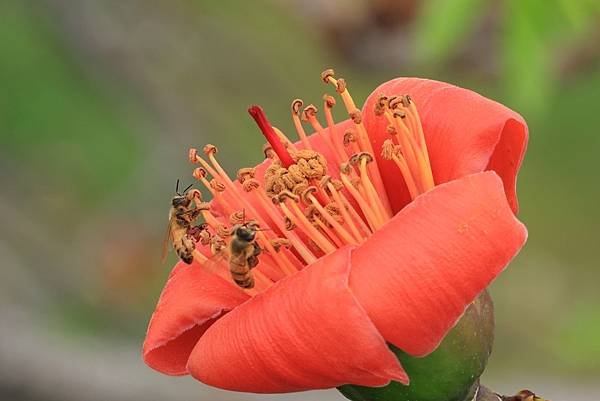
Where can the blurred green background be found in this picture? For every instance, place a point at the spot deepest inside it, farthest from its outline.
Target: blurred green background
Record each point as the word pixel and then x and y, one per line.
pixel 100 100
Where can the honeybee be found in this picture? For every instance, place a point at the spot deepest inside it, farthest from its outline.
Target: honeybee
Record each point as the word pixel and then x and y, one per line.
pixel 243 253
pixel 180 231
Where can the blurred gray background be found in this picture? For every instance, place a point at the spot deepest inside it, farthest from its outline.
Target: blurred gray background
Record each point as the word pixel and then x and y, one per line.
pixel 100 100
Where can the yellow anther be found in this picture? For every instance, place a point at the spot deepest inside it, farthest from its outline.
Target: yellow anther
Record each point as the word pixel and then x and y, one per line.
pixel 355 159
pixel 337 184
pixel 246 173
pixel 399 114
pixel 300 188
pixel 311 164
pixel 217 185
pixel 340 86
pixel 237 217
pixel 268 151
pixel 334 211
pixel 296 106
pixel 329 100
pixel 328 73
pixel 387 149
pixel 356 116
pixel 311 213
pixel 209 149
pixel 349 137
pixel 222 230
pixel 284 195
pixel 394 102
pixel 289 224
pixel 346 169
pixel 309 112
pixel 199 173
pixel 278 243
pixel 250 184
pixel 193 155
pixel 383 101
pixel 307 194
pixel 325 181
pixel 193 194
pixel 217 244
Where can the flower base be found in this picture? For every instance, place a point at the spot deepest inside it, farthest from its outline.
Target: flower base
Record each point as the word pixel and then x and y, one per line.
pixel 451 372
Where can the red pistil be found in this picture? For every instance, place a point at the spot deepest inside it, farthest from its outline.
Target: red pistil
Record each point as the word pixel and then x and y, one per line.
pixel 263 123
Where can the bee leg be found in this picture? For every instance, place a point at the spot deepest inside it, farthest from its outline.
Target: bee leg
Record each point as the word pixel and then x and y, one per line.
pixel 188 242
pixel 257 250
pixel 194 232
pixel 252 261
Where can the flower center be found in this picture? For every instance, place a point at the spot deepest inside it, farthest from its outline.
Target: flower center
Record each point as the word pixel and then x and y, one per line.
pixel 305 204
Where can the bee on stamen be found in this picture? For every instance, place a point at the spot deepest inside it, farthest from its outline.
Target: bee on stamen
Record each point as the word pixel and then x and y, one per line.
pixel 180 231
pixel 244 252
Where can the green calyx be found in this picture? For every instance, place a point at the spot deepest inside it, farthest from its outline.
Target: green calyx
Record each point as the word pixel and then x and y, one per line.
pixel 451 372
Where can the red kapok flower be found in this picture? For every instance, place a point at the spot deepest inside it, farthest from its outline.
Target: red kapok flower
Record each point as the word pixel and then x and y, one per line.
pixel 381 229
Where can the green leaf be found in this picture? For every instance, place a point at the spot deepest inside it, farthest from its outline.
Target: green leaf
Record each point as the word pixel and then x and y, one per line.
pixel 443 24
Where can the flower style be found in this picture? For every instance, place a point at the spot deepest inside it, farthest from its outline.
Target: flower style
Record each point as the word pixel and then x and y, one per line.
pixel 380 230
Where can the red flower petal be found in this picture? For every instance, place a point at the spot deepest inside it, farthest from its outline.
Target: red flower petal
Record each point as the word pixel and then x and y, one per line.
pixel 465 133
pixel 190 302
pixel 416 275
pixel 306 332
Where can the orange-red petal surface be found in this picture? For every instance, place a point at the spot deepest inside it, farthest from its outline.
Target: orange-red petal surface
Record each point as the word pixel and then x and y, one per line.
pixel 465 133
pixel 328 324
pixel 416 275
pixel 190 302
pixel 306 332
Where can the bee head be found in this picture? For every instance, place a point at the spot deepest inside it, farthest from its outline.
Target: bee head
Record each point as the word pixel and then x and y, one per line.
pixel 180 201
pixel 245 233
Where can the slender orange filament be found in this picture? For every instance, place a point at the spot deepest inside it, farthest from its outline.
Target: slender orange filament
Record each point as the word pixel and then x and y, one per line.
pixel 406 128
pixel 306 205
pixel 331 220
pixel 363 137
pixel 315 235
pixel 345 214
pixel 338 145
pixel 410 183
pixel 372 218
pixel 330 233
pixel 295 241
pixel 299 220
pixel 371 192
pixel 296 104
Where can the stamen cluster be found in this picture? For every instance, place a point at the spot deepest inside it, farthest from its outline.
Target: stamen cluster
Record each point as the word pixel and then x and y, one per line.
pixel 307 205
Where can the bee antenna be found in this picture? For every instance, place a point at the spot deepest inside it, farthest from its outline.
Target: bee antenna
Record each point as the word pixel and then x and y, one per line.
pixel 177 187
pixel 188 187
pixel 244 216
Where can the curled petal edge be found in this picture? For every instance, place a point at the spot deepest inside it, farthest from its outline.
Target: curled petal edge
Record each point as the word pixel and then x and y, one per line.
pixel 416 275
pixel 191 301
pixel 306 332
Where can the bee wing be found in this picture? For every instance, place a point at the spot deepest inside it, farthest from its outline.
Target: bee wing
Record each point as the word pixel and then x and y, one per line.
pixel 168 239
